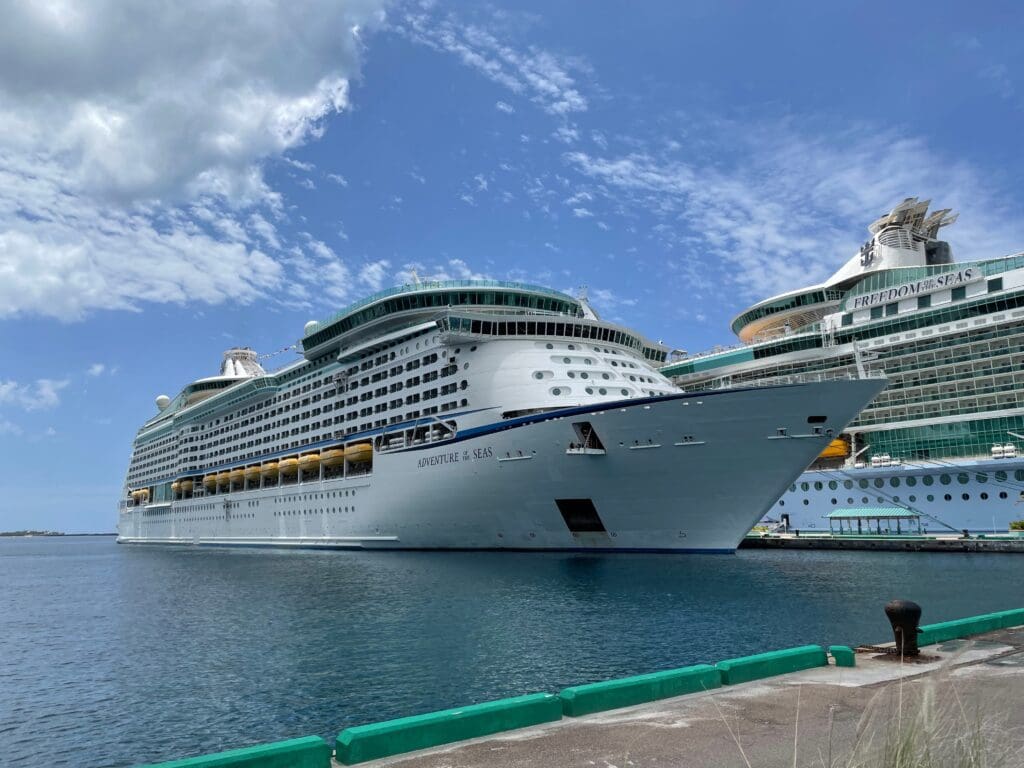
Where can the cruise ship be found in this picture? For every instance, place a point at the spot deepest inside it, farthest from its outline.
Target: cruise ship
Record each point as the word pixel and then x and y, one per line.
pixel 471 415
pixel 941 445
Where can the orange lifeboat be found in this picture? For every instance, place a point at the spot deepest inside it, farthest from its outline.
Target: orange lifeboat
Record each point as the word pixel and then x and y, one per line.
pixel 837 449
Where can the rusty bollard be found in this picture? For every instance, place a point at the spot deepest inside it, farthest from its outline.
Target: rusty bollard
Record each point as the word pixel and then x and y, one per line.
pixel 905 616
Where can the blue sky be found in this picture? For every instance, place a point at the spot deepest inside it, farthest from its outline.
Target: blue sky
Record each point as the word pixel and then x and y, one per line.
pixel 177 181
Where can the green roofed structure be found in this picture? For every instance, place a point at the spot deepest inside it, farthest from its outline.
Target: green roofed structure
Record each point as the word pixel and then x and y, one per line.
pixel 869 520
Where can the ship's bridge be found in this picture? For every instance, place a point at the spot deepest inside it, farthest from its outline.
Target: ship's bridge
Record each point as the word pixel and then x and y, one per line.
pixel 400 307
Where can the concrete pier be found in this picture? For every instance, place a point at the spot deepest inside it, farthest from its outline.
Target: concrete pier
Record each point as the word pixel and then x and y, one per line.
pixel 826 715
pixel 904 543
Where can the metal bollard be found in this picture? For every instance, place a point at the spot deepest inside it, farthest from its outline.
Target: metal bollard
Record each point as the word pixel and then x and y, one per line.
pixel 905 617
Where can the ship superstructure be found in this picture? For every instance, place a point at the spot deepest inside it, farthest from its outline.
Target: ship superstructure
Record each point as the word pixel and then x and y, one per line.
pixel 469 414
pixel 942 439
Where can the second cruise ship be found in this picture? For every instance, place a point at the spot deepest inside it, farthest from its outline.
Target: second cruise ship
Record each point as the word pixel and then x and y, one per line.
pixel 471 415
pixel 940 448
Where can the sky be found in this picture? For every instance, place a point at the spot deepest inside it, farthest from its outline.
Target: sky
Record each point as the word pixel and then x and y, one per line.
pixel 180 178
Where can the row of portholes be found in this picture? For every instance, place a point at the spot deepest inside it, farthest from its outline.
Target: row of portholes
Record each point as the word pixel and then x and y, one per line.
pixel 894 482
pixel 556 391
pixel 329 510
pixel 912 499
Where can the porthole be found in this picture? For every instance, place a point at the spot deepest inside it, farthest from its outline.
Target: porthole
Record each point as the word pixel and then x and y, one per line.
pixel 947 497
pixel 981 477
pixel 1002 494
pixel 849 499
pixel 625 392
pixel 549 346
pixel 817 485
pixel 590 390
pixel 588 361
pixel 556 391
pixel 911 481
pixel 966 496
pixel 572 374
pixel 1000 477
pixel 984 496
pixel 879 482
pixel 928 480
pixel 806 502
pixel 566 360
pixel 894 482
pixel 792 488
pixel 862 483
pixel 963 478
pixel 834 502
pixel 863 499
pixel 805 486
pixel 605 376
pixel 584 375
pixel 572 346
pixel 913 498
pixel 538 375
pixel 945 479
pixel 782 502
pixel 603 391
pixel 847 484
pixel 1018 474
pixel 931 497
pixel 832 484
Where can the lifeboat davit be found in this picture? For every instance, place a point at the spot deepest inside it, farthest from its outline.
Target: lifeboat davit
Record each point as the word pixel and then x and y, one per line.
pixel 269 469
pixel 310 462
pixel 289 466
pixel 237 475
pixel 176 486
pixel 210 482
pixel 223 478
pixel 837 449
pixel 333 457
pixel 186 486
pixel 253 472
pixel 359 452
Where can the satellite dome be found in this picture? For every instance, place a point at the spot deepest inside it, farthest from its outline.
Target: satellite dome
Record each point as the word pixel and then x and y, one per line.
pixel 163 401
pixel 309 327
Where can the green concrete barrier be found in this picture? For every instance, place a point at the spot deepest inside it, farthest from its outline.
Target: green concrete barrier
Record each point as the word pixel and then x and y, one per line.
pixel 1014 618
pixel 747 668
pixel 931 634
pixel 307 752
pixel 407 734
pixel 843 654
pixel 628 691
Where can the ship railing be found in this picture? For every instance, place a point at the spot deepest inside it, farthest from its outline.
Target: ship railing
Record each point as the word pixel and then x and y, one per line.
pixel 794 378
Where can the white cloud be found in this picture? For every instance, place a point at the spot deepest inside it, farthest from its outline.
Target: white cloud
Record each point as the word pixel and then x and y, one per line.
pixel 307 184
pixel 505 107
pixel 42 395
pixel 9 428
pixel 418 177
pixel 785 208
pixel 545 78
pixel 132 141
pixel 566 134
pixel 582 213
pixel 338 179
pixel 374 274
pixel 481 182
pixel 96 369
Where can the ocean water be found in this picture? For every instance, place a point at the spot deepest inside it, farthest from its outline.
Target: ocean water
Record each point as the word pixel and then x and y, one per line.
pixel 116 655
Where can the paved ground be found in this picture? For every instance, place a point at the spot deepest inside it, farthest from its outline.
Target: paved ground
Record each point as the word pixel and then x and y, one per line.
pixel 971 690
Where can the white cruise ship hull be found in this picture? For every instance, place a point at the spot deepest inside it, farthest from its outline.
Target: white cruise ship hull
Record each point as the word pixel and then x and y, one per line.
pixel 666 480
pixel 977 495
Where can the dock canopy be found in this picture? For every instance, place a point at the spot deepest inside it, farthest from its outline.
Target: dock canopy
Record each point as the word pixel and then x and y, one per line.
pixel 869 519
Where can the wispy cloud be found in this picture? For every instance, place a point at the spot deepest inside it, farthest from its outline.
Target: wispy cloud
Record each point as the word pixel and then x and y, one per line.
pixel 547 79
pixel 789 207
pixel 505 107
pixel 40 395
pixel 96 369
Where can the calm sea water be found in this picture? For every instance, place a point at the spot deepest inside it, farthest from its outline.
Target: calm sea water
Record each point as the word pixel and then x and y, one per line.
pixel 115 655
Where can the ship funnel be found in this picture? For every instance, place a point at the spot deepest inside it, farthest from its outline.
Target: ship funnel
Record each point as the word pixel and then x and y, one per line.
pixel 241 362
